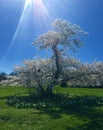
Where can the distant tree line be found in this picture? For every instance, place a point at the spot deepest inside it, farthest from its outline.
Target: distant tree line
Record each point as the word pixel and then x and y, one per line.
pixel 3 76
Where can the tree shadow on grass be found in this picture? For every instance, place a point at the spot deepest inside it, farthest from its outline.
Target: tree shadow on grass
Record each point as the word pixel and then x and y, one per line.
pixel 81 106
pixel 94 116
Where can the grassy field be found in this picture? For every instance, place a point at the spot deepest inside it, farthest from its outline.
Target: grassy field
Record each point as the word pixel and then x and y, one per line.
pixel 74 109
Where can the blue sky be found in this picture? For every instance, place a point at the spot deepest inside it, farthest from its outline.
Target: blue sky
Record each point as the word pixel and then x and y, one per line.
pixel 21 21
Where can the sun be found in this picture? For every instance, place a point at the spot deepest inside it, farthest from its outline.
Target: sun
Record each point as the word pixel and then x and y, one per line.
pixel 28 2
pixel 39 9
pixel 33 2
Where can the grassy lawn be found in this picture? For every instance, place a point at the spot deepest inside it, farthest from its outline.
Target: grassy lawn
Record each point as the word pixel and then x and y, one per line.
pixel 80 91
pixel 80 109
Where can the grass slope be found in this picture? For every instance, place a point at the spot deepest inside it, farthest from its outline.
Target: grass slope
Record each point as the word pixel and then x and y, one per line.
pixel 70 117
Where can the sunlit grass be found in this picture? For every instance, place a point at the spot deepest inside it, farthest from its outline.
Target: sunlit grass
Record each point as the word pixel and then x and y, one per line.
pixel 80 91
pixel 78 117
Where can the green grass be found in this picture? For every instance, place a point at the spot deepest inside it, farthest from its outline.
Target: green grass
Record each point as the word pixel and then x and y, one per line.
pixel 80 91
pixel 8 91
pixel 78 116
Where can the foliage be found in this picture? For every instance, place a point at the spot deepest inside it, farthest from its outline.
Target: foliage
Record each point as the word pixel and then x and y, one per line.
pixel 3 76
pixel 63 37
pixel 55 101
pixel 63 34
pixel 88 75
pixel 12 73
pixel 39 73
pixel 36 73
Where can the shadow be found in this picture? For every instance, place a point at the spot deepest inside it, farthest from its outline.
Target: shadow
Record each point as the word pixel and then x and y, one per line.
pixel 80 106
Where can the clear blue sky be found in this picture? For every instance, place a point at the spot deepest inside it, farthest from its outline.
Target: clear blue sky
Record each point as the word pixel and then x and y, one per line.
pixel 21 21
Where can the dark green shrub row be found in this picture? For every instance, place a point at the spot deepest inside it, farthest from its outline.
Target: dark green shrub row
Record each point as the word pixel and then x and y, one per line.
pixel 59 101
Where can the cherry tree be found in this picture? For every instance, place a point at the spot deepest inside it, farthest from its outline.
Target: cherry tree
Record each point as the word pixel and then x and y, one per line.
pixel 87 75
pixel 59 68
pixel 39 73
pixel 62 37
pixel 36 73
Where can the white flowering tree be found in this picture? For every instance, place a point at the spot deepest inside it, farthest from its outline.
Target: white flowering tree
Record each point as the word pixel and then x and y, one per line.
pixel 87 75
pixel 62 37
pixel 40 73
pixel 59 68
pixel 36 73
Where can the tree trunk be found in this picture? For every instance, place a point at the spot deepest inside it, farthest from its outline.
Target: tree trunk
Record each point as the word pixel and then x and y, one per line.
pixel 64 83
pixel 49 91
pixel 58 69
pixel 40 90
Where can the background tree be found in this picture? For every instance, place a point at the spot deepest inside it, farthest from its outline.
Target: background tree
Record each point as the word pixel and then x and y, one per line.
pixel 3 76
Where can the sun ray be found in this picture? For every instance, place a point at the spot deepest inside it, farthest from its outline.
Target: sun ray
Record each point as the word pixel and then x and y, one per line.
pixel 27 3
pixel 40 14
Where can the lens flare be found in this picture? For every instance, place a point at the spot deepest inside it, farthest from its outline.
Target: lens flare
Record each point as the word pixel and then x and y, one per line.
pixel 17 30
pixel 40 14
pixel 28 2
